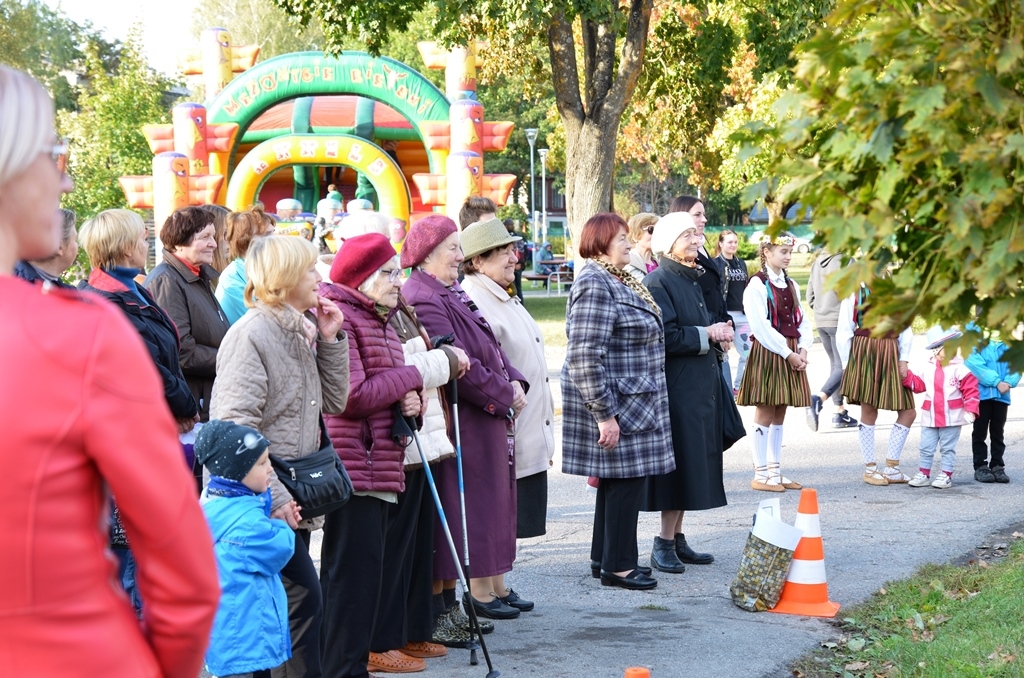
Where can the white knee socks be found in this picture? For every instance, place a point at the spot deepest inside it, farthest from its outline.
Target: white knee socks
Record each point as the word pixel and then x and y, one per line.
pixel 867 442
pixel 897 438
pixel 759 452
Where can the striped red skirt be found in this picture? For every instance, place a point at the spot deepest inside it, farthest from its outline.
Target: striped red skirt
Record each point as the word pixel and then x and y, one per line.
pixel 769 380
pixel 872 375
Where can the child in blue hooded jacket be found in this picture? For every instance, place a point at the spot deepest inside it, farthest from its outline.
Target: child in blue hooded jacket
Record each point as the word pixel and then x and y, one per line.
pixel 995 381
pixel 250 632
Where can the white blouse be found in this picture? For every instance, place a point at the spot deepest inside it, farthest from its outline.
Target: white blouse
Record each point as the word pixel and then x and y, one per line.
pixel 755 306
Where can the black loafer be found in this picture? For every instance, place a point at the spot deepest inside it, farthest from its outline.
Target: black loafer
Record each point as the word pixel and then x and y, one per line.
pixel 492 610
pixel 513 600
pixel 635 580
pixel 595 569
pixel 984 475
pixel 1000 474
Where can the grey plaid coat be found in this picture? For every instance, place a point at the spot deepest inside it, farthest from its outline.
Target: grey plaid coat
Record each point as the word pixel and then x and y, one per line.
pixel 614 367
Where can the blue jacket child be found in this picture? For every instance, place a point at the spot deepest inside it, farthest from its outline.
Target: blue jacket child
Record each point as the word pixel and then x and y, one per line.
pixel 250 632
pixel 988 367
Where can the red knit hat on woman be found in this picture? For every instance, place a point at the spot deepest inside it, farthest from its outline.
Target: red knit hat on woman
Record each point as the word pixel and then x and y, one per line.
pixel 424 236
pixel 360 257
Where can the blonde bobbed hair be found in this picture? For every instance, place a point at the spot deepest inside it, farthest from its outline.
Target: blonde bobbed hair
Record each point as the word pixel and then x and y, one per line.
pixel 26 122
pixel 274 266
pixel 638 222
pixel 110 236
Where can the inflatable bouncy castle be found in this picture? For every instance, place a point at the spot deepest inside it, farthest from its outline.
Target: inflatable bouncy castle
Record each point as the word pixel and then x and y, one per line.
pixel 290 126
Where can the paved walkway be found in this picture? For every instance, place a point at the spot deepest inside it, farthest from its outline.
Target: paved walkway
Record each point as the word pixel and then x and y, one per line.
pixel 688 626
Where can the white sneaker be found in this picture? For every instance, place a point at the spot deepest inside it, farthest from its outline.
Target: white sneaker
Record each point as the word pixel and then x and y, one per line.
pixel 920 480
pixel 943 481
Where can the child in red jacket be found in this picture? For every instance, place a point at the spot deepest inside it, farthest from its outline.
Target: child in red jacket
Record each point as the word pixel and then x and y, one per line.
pixel 951 401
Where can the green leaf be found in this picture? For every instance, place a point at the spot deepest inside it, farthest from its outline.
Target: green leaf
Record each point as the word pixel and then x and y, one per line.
pixel 992 92
pixel 1009 55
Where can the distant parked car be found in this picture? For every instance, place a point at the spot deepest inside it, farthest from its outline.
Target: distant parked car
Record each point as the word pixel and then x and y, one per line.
pixel 803 245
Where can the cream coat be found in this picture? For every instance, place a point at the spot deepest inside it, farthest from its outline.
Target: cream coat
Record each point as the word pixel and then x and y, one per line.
pixel 520 338
pixel 437 367
pixel 269 378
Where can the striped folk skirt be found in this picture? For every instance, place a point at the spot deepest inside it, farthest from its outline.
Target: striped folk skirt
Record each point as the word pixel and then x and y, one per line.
pixel 872 375
pixel 769 380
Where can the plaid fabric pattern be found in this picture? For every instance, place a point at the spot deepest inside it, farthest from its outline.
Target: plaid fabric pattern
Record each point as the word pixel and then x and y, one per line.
pixel 769 380
pixel 872 375
pixel 614 367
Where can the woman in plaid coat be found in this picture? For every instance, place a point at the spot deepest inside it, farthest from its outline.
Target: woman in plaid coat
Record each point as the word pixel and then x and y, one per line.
pixel 615 421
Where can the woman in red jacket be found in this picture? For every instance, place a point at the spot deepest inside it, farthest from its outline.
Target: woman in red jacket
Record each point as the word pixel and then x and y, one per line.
pixel 83 414
pixel 366 278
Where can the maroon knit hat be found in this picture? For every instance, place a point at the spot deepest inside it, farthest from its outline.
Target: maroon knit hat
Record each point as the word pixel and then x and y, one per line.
pixel 424 236
pixel 360 257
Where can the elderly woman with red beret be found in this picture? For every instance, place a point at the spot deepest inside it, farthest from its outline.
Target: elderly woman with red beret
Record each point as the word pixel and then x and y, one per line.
pixel 491 395
pixel 365 282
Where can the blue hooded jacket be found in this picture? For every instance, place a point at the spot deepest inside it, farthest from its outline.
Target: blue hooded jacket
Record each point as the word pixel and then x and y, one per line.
pixel 250 631
pixel 990 370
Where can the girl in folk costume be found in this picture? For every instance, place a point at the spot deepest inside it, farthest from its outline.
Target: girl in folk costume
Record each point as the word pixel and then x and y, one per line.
pixel 776 375
pixel 874 369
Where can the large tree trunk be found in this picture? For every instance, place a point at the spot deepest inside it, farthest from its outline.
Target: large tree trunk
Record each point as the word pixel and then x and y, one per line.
pixel 591 117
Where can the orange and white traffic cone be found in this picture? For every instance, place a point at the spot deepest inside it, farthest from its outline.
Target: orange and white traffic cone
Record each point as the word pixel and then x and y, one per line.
pixel 637 672
pixel 805 591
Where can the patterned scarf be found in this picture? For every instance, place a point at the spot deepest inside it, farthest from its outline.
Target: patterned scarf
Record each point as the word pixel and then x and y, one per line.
pixel 630 282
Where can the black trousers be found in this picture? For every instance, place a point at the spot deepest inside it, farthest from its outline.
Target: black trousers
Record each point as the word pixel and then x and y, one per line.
pixel 351 571
pixel 305 612
pixel 990 423
pixel 404 614
pixel 615 515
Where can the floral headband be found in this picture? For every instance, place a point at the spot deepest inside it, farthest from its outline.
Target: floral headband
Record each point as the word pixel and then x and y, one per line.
pixel 786 240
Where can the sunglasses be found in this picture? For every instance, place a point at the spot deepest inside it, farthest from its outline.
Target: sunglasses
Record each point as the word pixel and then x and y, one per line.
pixel 59 154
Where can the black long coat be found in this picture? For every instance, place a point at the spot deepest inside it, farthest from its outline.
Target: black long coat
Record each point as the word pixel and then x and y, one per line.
pixel 694 395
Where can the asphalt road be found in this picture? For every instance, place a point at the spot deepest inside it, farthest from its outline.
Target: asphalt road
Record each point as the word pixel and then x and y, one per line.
pixel 688 626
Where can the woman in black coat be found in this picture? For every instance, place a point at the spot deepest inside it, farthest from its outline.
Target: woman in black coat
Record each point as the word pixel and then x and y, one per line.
pixel 693 340
pixel 116 243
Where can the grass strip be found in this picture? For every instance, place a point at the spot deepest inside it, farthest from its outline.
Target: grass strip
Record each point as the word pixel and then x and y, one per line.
pixel 946 620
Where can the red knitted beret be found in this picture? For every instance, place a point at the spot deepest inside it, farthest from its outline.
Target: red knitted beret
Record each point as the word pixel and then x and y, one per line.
pixel 360 257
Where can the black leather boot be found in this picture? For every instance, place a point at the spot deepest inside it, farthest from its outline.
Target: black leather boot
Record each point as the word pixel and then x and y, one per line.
pixel 664 557
pixel 688 555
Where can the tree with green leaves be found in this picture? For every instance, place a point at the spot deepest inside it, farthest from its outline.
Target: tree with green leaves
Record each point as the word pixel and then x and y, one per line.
pixel 256 22
pixel 904 135
pixel 596 50
pixel 105 134
pixel 46 44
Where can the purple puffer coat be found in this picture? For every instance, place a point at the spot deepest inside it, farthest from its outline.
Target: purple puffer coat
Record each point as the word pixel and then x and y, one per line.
pixel 378 378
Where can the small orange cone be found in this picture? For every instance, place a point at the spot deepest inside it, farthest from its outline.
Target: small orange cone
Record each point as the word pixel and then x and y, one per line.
pixel 637 672
pixel 805 591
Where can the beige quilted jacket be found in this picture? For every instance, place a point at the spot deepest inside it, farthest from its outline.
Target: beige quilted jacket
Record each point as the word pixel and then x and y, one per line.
pixel 269 378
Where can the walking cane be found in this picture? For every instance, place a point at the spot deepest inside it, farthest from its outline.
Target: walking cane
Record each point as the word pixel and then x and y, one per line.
pixel 408 429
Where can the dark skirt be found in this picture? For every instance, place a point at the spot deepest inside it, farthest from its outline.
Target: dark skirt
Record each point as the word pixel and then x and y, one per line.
pixel 769 380
pixel 532 505
pixel 872 375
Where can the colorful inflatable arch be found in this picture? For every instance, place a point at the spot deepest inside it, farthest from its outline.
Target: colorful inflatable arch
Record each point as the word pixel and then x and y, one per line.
pixel 313 149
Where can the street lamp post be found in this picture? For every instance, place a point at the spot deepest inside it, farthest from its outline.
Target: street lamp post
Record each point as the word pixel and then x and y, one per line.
pixel 531 136
pixel 543 192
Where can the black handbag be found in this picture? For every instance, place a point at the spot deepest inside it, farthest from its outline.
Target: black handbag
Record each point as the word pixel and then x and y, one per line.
pixel 319 482
pixel 732 423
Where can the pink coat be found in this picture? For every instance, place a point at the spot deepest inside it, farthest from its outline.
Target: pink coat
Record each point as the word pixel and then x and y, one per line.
pixel 949 390
pixel 83 414
pixel 378 378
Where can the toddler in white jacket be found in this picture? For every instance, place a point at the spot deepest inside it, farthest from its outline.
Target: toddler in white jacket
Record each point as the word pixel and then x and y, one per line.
pixel 951 401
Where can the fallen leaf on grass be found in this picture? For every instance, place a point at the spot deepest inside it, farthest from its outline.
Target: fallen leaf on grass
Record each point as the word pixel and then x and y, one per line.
pixel 1017 535
pixel 882 591
pixel 927 636
pixel 856 644
pixel 983 565
pixel 830 645
pixel 938 619
pixel 798 673
pixel 857 666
